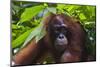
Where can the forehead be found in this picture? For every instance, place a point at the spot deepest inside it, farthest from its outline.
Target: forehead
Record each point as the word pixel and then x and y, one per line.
pixel 58 21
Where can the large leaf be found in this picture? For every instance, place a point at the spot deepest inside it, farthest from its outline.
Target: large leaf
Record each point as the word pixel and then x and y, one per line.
pixel 18 41
pixel 52 10
pixel 29 13
pixel 37 33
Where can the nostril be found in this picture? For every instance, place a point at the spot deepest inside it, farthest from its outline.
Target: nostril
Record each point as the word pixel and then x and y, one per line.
pixel 61 37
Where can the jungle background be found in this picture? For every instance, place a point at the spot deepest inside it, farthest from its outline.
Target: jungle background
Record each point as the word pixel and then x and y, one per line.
pixel 27 18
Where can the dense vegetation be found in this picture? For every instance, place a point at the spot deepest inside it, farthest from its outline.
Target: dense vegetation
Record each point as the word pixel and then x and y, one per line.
pixel 27 18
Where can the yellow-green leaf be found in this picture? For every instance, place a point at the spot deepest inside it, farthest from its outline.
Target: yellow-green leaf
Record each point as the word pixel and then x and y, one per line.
pixel 29 13
pixel 18 41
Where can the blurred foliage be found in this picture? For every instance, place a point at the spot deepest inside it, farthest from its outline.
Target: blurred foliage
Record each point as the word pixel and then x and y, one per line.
pixel 27 17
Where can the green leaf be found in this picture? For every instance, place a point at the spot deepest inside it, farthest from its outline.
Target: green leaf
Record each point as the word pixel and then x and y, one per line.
pixel 14 26
pixel 37 33
pixel 15 8
pixel 52 10
pixel 40 35
pixel 18 41
pixel 29 13
pixel 61 6
pixel 82 16
pixel 70 8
